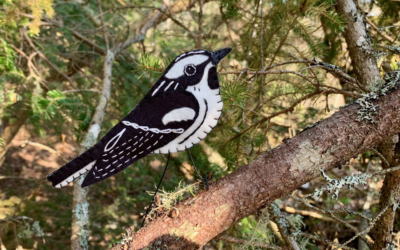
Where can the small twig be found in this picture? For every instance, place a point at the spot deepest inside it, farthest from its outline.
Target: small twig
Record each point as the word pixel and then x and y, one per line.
pixel 47 60
pixel 330 214
pixel 262 50
pixel 385 171
pixel 380 156
pixel 180 24
pixel 386 36
pixel 328 242
pixel 394 50
pixel 371 225
pixel 284 226
pixel 284 37
pixel 306 213
pixel 234 240
pixel 81 90
pixel 16 177
pixel 252 31
pixel 18 50
pixel 47 148
pixel 200 24
pixel 103 25
pixel 344 210
pixel 263 139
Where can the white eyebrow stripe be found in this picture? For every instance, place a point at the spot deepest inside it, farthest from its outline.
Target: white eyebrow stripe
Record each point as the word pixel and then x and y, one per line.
pixel 168 86
pixel 196 52
pixel 184 54
pixel 155 91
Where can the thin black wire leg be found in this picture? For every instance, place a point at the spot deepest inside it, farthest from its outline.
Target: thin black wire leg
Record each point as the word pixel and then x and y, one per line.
pixel 158 186
pixel 208 176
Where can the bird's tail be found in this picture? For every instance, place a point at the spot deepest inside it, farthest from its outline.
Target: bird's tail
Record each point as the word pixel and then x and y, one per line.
pixel 72 170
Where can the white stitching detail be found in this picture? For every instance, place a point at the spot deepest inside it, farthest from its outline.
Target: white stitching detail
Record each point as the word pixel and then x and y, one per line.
pixel 154 130
pixel 155 91
pixel 115 140
pixel 126 161
pixel 155 143
pixel 115 162
pixel 108 166
pixel 168 86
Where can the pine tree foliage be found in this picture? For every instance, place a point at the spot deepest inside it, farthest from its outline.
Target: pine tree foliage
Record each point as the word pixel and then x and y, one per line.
pixel 265 99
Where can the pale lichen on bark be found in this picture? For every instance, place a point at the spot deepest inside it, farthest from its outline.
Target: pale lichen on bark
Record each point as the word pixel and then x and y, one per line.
pixel 309 156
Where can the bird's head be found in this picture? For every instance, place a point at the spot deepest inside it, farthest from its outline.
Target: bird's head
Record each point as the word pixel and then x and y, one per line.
pixel 191 67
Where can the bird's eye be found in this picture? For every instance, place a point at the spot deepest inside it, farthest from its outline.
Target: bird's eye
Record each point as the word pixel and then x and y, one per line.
pixel 190 70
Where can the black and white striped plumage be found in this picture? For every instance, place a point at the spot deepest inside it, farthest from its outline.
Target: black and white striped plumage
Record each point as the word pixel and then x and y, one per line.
pixel 177 113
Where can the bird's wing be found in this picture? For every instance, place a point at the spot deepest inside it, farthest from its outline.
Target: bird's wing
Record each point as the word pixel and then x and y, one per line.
pixel 155 122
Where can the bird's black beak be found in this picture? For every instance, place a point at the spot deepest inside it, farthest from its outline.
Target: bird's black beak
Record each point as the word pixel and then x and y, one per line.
pixel 220 54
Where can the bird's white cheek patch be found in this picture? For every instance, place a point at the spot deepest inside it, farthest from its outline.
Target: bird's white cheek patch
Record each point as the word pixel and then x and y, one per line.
pixel 178 115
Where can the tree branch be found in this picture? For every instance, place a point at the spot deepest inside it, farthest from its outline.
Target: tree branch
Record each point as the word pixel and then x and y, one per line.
pixel 384 35
pixel 272 175
pixel 365 66
pixel 47 60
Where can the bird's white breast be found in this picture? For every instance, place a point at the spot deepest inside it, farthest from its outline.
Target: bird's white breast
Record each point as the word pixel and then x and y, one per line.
pixel 210 109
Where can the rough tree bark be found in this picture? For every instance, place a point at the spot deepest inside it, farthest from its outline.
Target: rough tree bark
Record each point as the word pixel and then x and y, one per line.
pixel 366 69
pixel 295 162
pixel 358 43
pixel 11 128
pixel 80 217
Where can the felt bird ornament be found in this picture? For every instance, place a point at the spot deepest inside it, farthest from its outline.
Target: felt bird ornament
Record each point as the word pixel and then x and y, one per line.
pixel 177 113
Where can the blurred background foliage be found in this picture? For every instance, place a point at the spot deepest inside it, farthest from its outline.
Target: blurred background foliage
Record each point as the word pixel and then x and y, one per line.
pixel 50 83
